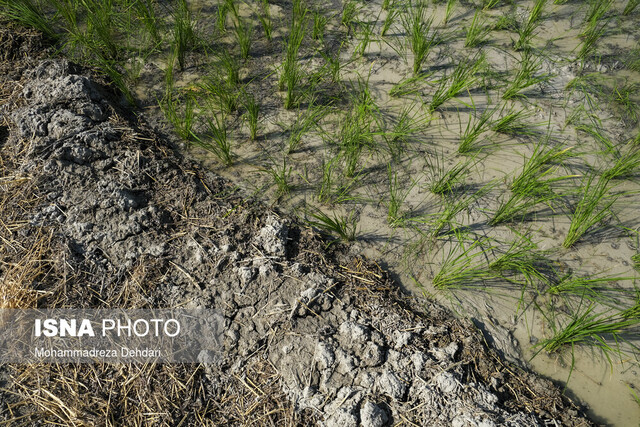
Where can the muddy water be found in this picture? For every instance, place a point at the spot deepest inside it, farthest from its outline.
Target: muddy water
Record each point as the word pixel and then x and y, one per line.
pixel 602 385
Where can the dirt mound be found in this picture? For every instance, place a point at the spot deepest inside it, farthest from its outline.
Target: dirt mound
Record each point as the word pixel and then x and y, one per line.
pixel 123 221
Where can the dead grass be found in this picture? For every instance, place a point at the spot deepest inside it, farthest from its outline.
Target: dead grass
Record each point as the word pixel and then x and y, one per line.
pixel 143 395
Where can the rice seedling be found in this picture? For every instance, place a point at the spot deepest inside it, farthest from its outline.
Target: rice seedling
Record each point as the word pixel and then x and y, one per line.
pixel 464 265
pixel 182 121
pixel 507 22
pixel 590 37
pixel 539 167
pixel 281 175
pixel 451 5
pixel 477 32
pixel 392 13
pixel 145 13
pixel 335 189
pixel 622 97
pixel 252 108
pixel 594 128
pixel 326 191
pixel 344 226
pixel 349 13
pixel 418 27
pixel 355 134
pixel 303 124
pixel 217 132
pixel 184 33
pixel 489 4
pixel 220 93
pixel 222 12
pixel 463 77
pixel 29 15
pixel 443 180
pixel 633 59
pixel 526 76
pixel 592 208
pixel 522 260
pixel 332 66
pixel 409 86
pixel 635 259
pixel 243 34
pixel 589 327
pixel 597 10
pixel 476 125
pixel 519 205
pixel 101 29
pixel 626 164
pixel 366 36
pixel 633 312
pixel 405 125
pixel 356 131
pixel 515 123
pixel 454 204
pixel 397 195
pixel 527 29
pixel 265 20
pixel 68 12
pixel 319 26
pixel 630 7
pixel 595 289
pixel 291 75
pixel 230 68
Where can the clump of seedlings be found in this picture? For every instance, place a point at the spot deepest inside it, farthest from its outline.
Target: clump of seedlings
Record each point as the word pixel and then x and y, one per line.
pixel 216 139
pixel 334 188
pixel 595 289
pixel 533 186
pixel 626 163
pixel 252 111
pixel 516 123
pixel 265 19
pixel 593 207
pixel 526 30
pixel 420 37
pixel 464 76
pixel 476 126
pixel 403 128
pixel 319 26
pixel 291 74
pixel 465 265
pixel 477 32
pixel 345 226
pixel 588 326
pixel 448 13
pixel 281 175
pixel 526 76
pixel 184 33
pixel 443 180
pixel 397 195
pixel 630 7
pixel 446 220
